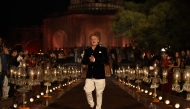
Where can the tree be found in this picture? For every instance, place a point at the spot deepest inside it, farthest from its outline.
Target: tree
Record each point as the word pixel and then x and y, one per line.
pixel 154 24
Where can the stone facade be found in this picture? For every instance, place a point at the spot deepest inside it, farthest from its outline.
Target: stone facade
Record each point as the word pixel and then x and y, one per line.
pixel 74 30
pixel 71 28
pixel 29 37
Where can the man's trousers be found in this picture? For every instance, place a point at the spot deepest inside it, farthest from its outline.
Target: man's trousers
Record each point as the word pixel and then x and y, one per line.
pixel 90 85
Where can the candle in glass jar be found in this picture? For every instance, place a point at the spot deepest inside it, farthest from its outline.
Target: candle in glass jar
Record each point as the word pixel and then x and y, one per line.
pixel 155 72
pixel 55 73
pixel 146 73
pixel 137 67
pixel 14 74
pixel 155 65
pixel 11 73
pixel 164 73
pixel 187 76
pixel 24 65
pixel 176 76
pixel 38 73
pixel 45 71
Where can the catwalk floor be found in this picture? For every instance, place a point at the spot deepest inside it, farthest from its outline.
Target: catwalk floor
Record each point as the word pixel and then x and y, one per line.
pixel 114 97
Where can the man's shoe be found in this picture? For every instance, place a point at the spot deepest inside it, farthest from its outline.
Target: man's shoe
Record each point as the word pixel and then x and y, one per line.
pixel 92 107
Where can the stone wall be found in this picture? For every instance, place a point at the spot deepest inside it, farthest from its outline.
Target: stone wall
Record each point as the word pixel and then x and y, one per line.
pixel 74 30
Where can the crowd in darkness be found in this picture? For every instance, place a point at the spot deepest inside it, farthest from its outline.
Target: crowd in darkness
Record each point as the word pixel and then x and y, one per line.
pixel 118 54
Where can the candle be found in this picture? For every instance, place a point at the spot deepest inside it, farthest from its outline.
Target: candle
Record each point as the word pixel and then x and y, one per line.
pixel 14 74
pixel 167 101
pixel 165 73
pixel 187 75
pixel 177 105
pixel 11 73
pixel 155 65
pixel 155 72
pixel 146 91
pixel 24 65
pixel 42 93
pixel 160 97
pixel 38 73
pixel 150 93
pixel 37 96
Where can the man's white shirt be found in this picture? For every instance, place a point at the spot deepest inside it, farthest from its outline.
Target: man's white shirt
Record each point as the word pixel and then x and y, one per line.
pixel 18 59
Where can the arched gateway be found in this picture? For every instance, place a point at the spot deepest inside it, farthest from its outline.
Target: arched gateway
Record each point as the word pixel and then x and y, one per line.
pixel 83 17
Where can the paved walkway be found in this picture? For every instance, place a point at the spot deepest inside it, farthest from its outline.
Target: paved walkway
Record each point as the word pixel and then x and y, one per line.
pixel 114 97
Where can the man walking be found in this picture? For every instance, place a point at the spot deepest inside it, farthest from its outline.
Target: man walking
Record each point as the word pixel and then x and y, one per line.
pixel 95 57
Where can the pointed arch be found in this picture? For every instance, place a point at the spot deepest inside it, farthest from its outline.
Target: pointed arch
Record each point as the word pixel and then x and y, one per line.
pixel 59 39
pixel 33 46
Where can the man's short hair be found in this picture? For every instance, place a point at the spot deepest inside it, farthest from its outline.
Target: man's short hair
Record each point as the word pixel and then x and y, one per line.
pixel 97 34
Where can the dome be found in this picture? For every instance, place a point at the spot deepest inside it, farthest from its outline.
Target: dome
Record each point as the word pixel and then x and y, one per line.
pixel 111 1
pixel 93 1
pixel 81 1
pixel 106 1
pixel 95 4
pixel 75 1
pixel 87 1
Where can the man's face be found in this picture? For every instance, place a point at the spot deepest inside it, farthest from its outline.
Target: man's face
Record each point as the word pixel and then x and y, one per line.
pixel 21 53
pixel 26 52
pixel 187 52
pixel 182 53
pixel 15 53
pixel 94 40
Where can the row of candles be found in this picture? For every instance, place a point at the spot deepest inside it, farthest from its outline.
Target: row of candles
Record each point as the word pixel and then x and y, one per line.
pixel 160 98
pixel 143 75
pixel 28 77
pixel 40 96
pixel 152 76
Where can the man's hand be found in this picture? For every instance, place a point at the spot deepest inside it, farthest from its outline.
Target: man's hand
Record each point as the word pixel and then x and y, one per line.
pixel 92 59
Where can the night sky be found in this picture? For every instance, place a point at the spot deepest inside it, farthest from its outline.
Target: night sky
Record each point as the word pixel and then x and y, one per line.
pixel 18 12
pixel 29 12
